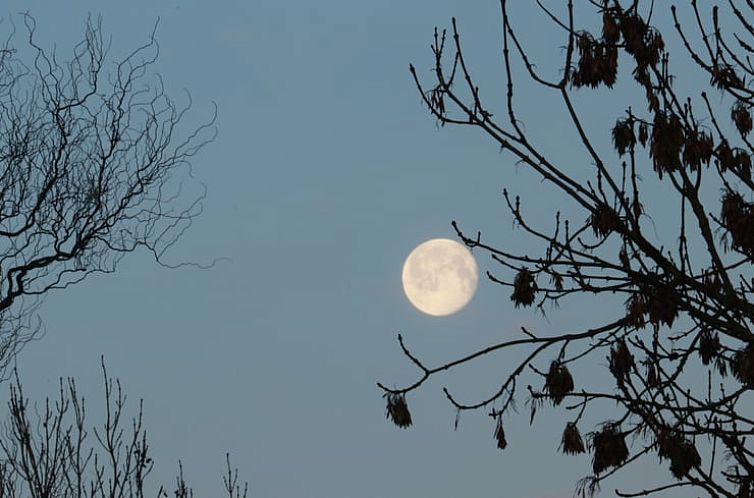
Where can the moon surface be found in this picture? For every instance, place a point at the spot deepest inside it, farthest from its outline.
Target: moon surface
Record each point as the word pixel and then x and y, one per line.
pixel 440 277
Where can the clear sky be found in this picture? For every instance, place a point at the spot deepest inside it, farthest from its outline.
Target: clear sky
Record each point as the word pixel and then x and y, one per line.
pixel 326 172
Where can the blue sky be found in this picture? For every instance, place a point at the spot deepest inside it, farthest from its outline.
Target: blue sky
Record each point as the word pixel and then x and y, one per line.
pixel 326 172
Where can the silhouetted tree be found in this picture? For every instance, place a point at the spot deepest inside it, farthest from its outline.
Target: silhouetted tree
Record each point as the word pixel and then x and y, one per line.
pixel 89 163
pixel 53 454
pixel 655 406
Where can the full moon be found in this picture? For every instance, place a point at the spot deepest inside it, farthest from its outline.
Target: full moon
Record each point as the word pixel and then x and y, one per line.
pixel 440 277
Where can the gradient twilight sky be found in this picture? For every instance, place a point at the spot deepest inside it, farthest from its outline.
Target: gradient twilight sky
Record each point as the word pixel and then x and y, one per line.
pixel 326 172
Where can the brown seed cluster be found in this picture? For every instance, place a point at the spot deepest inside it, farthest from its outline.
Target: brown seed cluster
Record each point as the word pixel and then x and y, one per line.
pixel 524 288
pixel 736 160
pixel 500 434
pixel 738 217
pixel 643 42
pixel 724 76
pixel 743 365
pixel 397 410
pixel 604 220
pixel 653 377
pixel 666 142
pixel 598 58
pixel 697 149
pixel 662 305
pixel 571 442
pixel 709 346
pixel 598 62
pixel 741 117
pixel 558 382
pixel 657 305
pixel 609 447
pixel 681 452
pixel 635 310
pixel 620 361
pixel 623 136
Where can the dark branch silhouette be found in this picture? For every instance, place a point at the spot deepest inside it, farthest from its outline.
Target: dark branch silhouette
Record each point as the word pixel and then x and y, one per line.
pixel 53 453
pixel 676 140
pixel 92 166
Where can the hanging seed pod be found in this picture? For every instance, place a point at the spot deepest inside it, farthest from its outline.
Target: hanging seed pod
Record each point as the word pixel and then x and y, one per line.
pixel 724 76
pixel 653 378
pixel 500 434
pixel 682 453
pixel 609 447
pixel 397 410
pixel 743 365
pixel 743 163
pixel 643 134
pixel 697 149
pixel 662 305
pixel 524 288
pixel 571 443
pixel 738 217
pixel 597 64
pixel 667 141
pixel 635 310
pixel 623 136
pixel 620 361
pixel 741 117
pixel 604 220
pixel 634 29
pixel 610 29
pixel 709 346
pixel 724 155
pixel 558 382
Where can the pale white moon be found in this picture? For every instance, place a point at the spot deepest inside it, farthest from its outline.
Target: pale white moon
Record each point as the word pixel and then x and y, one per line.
pixel 440 277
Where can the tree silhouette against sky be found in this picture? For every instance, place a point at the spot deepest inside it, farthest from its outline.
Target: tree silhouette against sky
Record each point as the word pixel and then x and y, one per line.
pixel 90 169
pixel 653 405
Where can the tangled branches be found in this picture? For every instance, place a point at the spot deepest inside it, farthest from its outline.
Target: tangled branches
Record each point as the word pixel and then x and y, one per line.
pixel 699 430
pixel 89 164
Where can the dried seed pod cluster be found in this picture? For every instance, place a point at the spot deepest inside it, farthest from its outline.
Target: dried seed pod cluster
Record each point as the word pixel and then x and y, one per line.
pixel 623 136
pixel 738 217
pixel 571 443
pixel 709 346
pixel 736 160
pixel 558 382
pixel 620 361
pixel 524 288
pixel 662 303
pixel 724 76
pixel 743 365
pixel 741 117
pixel 397 410
pixel 598 62
pixel 653 377
pixel 681 452
pixel 666 142
pixel 604 220
pixel 635 311
pixel 697 149
pixel 657 305
pixel 500 434
pixel 609 446
pixel 643 42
